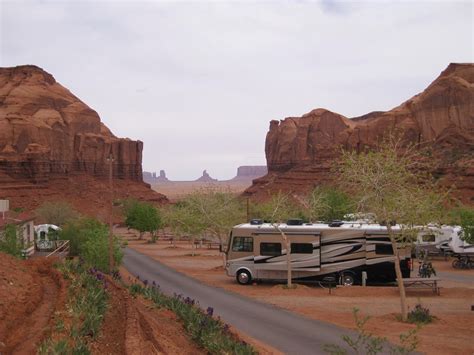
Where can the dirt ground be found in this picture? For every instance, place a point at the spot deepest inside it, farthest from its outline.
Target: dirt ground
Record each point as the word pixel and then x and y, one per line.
pixel 30 293
pixel 134 326
pixel 33 296
pixel 176 190
pixel 450 333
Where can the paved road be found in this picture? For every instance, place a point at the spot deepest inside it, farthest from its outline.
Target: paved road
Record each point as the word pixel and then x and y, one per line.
pixel 453 276
pixel 285 331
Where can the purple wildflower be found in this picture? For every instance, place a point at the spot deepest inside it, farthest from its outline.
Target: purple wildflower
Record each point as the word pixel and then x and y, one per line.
pixel 210 311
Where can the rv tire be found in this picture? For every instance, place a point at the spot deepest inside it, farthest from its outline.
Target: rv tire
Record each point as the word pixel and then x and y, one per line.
pixel 347 278
pixel 243 277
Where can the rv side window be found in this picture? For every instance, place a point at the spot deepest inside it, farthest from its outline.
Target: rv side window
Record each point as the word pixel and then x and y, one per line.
pixel 384 249
pixel 242 244
pixel 429 238
pixel 270 249
pixel 301 248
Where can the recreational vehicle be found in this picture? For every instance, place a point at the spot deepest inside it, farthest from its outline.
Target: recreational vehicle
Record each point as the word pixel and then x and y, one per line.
pixel 434 240
pixel 45 234
pixel 256 251
pixel 462 250
pixel 459 246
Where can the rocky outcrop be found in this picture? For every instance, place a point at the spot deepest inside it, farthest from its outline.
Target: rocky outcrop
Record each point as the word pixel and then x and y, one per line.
pixel 47 133
pixel 152 178
pixel 46 130
pixel 205 177
pixel 248 172
pixel 300 151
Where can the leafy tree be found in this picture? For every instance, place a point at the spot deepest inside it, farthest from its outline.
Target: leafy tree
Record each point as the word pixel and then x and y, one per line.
pixel 464 217
pixel 143 217
pixel 388 183
pixel 58 213
pixel 206 210
pixel 276 211
pixel 326 203
pixel 88 238
pixel 215 211
pixel 10 242
pixel 182 218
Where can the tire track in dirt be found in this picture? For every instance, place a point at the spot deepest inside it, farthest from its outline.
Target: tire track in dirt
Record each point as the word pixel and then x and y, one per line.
pixel 27 336
pixel 134 326
pixel 38 292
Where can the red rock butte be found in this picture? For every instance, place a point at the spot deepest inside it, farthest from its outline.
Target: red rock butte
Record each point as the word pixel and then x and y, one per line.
pixel 301 151
pixel 48 136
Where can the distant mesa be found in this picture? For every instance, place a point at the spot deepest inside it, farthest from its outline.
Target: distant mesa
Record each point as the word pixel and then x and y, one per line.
pixel 245 174
pixel 151 178
pixel 206 177
pixel 250 172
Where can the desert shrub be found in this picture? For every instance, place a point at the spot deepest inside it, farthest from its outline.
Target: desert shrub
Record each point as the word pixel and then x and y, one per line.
pixel 420 315
pixel 204 329
pixel 89 239
pixel 58 213
pixel 10 242
pixel 366 343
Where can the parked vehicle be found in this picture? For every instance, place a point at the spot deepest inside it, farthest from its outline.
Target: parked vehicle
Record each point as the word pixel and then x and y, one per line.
pixel 434 240
pixel 256 251
pixel 45 235
pixel 463 251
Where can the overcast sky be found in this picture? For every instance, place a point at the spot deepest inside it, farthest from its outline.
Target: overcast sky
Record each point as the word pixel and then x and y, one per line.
pixel 198 82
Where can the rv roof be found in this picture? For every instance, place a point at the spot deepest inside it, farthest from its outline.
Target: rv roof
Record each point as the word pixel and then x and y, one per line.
pixel 319 226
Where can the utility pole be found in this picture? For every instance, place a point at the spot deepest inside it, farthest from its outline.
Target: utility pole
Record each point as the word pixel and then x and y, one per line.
pixel 110 160
pixel 248 210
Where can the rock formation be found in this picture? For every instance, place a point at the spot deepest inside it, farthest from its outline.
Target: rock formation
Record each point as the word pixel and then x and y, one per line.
pixel 301 151
pixel 249 173
pixel 47 134
pixel 205 177
pixel 151 178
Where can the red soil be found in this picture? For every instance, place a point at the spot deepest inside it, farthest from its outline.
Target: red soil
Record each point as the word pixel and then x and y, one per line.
pixel 30 293
pixel 135 326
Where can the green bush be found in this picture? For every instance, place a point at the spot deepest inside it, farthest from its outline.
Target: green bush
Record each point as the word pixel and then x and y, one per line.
pixel 142 216
pixel 10 242
pixel 420 315
pixel 89 239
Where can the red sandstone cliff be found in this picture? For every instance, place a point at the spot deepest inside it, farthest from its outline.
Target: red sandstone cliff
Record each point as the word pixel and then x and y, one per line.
pixel 48 135
pixel 300 151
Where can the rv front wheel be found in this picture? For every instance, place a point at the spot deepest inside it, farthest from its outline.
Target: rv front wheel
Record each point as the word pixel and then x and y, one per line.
pixel 244 277
pixel 346 279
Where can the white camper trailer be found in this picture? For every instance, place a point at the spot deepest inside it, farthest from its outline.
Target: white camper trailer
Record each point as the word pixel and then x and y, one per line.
pixel 459 246
pixel 462 250
pixel 256 251
pixel 434 240
pixel 43 242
